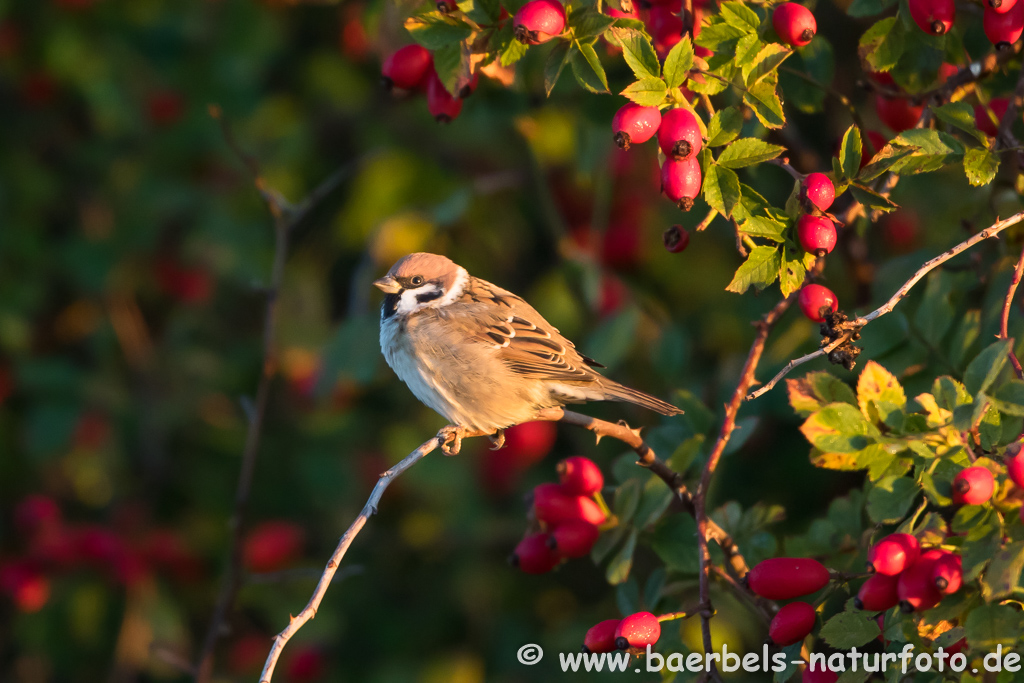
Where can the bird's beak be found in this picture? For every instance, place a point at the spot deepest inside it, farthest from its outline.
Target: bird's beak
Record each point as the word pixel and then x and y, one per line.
pixel 388 285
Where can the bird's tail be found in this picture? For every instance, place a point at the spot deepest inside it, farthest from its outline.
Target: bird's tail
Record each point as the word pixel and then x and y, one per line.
pixel 620 392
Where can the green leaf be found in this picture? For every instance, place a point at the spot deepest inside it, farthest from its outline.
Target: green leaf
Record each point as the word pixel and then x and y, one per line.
pixel 622 563
pixel 725 126
pixel 638 53
pixel 882 44
pixel 935 314
pixel 627 596
pixel 679 62
pixel 765 102
pixel 765 62
pixel 816 390
pixel 589 23
pixel 867 8
pixel 890 499
pixel 1003 574
pixel 673 543
pixel 838 428
pixel 980 166
pixel 984 369
pixel 739 15
pixel 719 36
pixel 991 625
pixel 931 150
pixel 612 339
pixel 980 546
pixel 504 43
pixel 768 228
pixel 1009 398
pixel 792 271
pixel 481 11
pixel 850 629
pixel 653 587
pixel 647 92
pixel 557 59
pixel 872 201
pixel 960 115
pixel 758 271
pixel 448 63
pixel 586 67
pixel 627 499
pixel 654 500
pixel 850 152
pixel 686 453
pixel 434 30
pixel 747 152
pixel 721 189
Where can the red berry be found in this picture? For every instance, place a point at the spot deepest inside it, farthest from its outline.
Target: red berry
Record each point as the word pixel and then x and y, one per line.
pixel 306 665
pixel 538 21
pixel 819 675
pixel 893 554
pixel 900 230
pixel 958 646
pixel 946 70
pixel 166 549
pixel 948 574
pixel 679 134
pixel 878 593
pixel 443 106
pixel 633 124
pixel 933 16
pixel 817 234
pixel 407 67
pixel 794 23
pixel 1004 28
pixel 783 578
pixel 271 546
pixel 666 28
pixel 1001 6
pixel 619 14
pixel 813 299
pixel 247 654
pixel 680 181
pixel 552 505
pixel 623 244
pixel 973 486
pixel 897 112
pixel 983 120
pixel 601 636
pixel 470 87
pixel 916 586
pixel 613 295
pixel 533 555
pixel 819 190
pixel 98 545
pixel 676 239
pixel 530 441
pixel 36 513
pixel 574 538
pixel 1015 468
pixel 30 591
pixel 791 623
pixel 637 630
pixel 580 476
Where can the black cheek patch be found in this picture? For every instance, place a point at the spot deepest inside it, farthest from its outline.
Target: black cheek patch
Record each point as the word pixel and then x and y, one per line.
pixel 429 296
pixel 390 306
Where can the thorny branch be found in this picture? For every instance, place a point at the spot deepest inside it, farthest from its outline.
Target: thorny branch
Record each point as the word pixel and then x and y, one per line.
pixel 1004 332
pixel 856 325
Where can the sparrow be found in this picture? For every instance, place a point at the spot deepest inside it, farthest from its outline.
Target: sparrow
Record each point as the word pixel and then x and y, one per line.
pixel 481 356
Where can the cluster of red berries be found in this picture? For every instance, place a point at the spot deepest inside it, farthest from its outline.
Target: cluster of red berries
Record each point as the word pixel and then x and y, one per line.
pixel 664 22
pixel 903 574
pixel 1003 20
pixel 53 546
pixel 411 68
pixel 785 578
pixel 679 136
pixel 633 633
pixel 568 516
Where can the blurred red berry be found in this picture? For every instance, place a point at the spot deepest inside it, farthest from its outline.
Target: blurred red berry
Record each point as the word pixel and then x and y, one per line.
pixel 552 505
pixel 166 550
pixel 897 112
pixel 601 636
pixel 947 574
pixel 916 584
pixel 165 107
pixel 676 239
pixel 612 296
pixel 1015 468
pixel 622 245
pixel 783 578
pixel 934 17
pixel 819 675
pixel 10 39
pixel 190 285
pixel 91 431
pixel 538 21
pixel 36 514
pixel 534 555
pixel 443 106
pixel 272 546
pixel 580 476
pixel 247 654
pixel 983 120
pixel 573 538
pixel 1004 28
pixel 878 593
pixel 352 39
pixel 306 665
pixel 900 230
pixel 38 89
pixel 407 67
pixel 99 546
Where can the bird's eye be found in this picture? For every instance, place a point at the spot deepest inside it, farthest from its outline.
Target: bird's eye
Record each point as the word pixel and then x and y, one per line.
pixel 417 281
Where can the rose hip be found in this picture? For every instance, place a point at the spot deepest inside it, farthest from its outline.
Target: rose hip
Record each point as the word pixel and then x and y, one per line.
pixel 407 67
pixel 538 21
pixel 680 181
pixel 633 124
pixel 782 578
pixel 813 299
pixel 794 23
pixel 679 134
pixel 792 623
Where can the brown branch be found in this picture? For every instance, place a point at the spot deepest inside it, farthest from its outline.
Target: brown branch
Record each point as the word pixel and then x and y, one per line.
pixel 309 611
pixel 1005 319
pixel 783 163
pixel 902 292
pixel 747 379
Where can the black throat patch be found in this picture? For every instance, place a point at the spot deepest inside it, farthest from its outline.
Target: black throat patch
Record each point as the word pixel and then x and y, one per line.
pixel 390 305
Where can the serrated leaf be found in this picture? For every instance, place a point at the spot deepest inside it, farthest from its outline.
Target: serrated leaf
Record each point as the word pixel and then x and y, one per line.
pixel 761 226
pixel 991 625
pixel 1003 574
pixel 557 59
pixel 816 390
pixel 434 30
pixel 878 384
pixel 586 67
pixel 765 103
pixel 882 44
pixel 679 62
pixel 759 270
pixel 747 152
pixel 647 92
pixel 980 166
pixel 850 152
pixel 589 23
pixel 872 201
pixel 719 36
pixel 984 369
pixel 765 62
pixel 638 53
pixel 890 499
pixel 725 126
pixel 838 428
pixel 721 189
pixel 960 115
pixel 850 629
pixel 1009 398
pixel 792 271
pixel 739 15
pixel 448 64
pixel 931 150
pixel 504 43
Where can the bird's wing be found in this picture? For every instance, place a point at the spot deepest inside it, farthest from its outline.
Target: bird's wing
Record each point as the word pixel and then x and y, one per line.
pixel 527 343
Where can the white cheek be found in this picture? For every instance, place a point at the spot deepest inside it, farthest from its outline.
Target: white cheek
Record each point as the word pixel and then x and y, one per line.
pixel 407 302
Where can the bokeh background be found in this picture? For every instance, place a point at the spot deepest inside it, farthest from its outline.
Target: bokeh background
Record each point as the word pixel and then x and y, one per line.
pixel 134 254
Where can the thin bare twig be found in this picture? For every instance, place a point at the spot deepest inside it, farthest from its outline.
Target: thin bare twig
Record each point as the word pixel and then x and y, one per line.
pixel 902 292
pixel 1004 332
pixel 783 163
pixel 747 379
pixel 707 221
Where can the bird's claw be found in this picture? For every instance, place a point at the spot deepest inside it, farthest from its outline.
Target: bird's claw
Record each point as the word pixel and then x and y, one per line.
pixel 451 437
pixel 497 440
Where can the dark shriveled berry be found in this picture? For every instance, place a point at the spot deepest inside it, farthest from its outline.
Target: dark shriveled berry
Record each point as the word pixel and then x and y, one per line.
pixel 676 239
